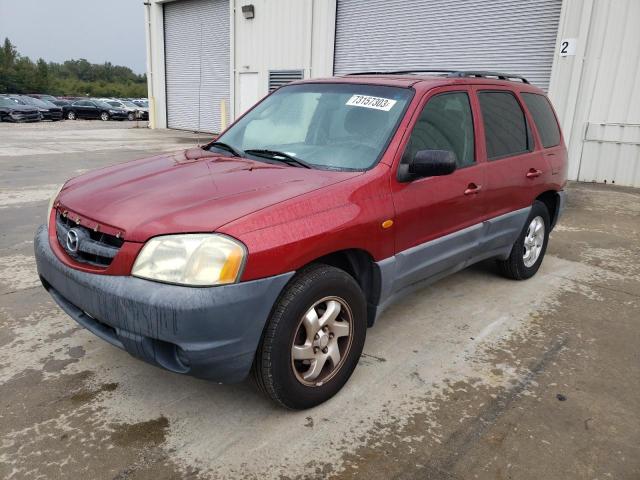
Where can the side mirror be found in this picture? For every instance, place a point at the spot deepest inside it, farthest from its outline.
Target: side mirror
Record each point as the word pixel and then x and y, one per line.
pixel 433 163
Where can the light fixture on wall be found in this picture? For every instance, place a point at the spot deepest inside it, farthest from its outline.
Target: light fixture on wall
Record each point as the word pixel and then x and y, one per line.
pixel 248 11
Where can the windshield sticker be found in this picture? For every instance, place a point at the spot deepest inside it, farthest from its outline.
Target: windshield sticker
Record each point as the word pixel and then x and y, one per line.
pixel 367 101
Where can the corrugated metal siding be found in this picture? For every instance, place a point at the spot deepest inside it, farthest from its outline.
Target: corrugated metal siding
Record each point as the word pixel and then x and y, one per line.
pixel 597 92
pixel 611 150
pixel 504 35
pixel 196 63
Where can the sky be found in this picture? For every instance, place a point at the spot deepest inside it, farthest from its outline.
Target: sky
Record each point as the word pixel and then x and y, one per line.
pixel 58 30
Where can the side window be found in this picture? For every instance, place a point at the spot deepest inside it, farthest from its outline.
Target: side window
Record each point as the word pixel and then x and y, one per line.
pixel 544 118
pixel 446 123
pixel 505 126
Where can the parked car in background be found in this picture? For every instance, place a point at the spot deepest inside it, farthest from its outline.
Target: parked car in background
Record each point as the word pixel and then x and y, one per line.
pixel 143 105
pixel 12 111
pixel 133 111
pixel 48 110
pixel 94 109
pixel 56 101
pixel 272 248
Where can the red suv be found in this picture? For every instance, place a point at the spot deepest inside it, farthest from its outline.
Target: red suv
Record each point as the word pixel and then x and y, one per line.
pixel 271 249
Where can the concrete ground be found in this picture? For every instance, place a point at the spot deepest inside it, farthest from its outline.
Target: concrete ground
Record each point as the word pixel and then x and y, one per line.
pixel 473 377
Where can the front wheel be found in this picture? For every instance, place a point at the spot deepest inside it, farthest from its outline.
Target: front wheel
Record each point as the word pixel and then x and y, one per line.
pixel 314 338
pixel 71 115
pixel 104 116
pixel 528 251
pixel 131 116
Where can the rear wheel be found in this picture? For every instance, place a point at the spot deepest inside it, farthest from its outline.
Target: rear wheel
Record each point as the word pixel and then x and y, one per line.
pixel 71 115
pixel 104 116
pixel 314 338
pixel 528 251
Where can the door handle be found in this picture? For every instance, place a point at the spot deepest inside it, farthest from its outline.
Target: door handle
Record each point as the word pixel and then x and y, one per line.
pixel 472 189
pixel 533 173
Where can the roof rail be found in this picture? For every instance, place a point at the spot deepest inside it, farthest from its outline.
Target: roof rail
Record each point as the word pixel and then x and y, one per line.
pixel 484 74
pixel 405 72
pixel 450 73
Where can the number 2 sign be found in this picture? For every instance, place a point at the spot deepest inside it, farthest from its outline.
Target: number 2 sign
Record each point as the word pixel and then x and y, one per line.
pixel 567 47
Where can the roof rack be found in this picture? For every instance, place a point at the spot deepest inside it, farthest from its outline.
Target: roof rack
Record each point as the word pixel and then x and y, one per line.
pixel 451 73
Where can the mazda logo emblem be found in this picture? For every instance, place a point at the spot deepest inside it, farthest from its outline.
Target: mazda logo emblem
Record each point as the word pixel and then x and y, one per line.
pixel 73 242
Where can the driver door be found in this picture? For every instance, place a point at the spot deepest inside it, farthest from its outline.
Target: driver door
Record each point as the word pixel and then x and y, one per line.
pixel 438 219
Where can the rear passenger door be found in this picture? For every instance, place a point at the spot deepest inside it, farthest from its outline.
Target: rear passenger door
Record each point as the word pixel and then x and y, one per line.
pixel 515 168
pixel 438 218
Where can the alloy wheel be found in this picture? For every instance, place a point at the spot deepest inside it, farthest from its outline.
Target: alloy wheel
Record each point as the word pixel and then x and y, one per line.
pixel 322 341
pixel 533 242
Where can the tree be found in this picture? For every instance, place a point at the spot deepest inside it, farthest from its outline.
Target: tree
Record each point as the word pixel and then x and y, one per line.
pixel 19 74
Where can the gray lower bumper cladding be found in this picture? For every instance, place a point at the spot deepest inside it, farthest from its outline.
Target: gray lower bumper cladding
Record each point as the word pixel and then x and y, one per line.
pixel 209 333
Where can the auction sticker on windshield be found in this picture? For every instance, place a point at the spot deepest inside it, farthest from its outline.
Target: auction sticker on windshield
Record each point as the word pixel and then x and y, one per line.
pixel 367 101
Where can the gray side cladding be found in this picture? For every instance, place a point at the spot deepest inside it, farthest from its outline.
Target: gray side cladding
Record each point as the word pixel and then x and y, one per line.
pixel 418 266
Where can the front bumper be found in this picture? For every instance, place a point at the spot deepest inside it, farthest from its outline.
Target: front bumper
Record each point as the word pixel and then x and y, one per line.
pixel 209 333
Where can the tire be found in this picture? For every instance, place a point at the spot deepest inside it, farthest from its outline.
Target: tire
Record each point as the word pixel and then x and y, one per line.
pixel 276 372
pixel 519 265
pixel 71 115
pixel 104 116
pixel 131 116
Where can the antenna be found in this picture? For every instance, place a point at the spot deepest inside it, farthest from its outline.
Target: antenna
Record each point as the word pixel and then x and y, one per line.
pixel 199 86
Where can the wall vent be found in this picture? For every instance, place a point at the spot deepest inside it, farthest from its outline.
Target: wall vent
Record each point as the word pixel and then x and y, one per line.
pixel 278 78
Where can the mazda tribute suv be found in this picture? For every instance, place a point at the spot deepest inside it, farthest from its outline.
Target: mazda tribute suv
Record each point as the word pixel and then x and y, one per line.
pixel 271 250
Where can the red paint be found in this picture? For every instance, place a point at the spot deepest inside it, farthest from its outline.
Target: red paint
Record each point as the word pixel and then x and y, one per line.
pixel 288 216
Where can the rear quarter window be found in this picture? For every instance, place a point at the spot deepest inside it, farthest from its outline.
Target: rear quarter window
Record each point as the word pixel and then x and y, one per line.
pixel 505 126
pixel 543 117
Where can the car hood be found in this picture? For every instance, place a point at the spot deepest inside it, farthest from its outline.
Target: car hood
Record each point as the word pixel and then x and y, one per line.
pixel 21 108
pixel 185 192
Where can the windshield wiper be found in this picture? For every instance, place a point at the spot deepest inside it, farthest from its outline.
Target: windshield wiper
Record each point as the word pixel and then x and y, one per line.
pixel 278 156
pixel 225 146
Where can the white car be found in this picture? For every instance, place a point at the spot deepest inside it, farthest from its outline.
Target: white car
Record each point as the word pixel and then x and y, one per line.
pixel 143 106
pixel 133 111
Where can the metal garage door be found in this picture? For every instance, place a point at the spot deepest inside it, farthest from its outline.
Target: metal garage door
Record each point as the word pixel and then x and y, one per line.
pixel 196 42
pixel 505 35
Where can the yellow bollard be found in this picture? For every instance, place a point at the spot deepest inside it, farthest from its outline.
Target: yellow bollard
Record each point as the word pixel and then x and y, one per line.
pixel 223 115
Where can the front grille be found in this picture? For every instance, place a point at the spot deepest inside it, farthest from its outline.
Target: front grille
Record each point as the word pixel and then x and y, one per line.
pixel 86 245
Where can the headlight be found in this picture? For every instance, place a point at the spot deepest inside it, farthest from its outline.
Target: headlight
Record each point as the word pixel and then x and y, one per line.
pixel 53 199
pixel 192 259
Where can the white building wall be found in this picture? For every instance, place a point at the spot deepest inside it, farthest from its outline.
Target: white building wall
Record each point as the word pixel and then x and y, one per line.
pixel 596 92
pixel 154 30
pixel 284 35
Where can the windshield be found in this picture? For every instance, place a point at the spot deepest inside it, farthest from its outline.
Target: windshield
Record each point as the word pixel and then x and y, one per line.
pixel 38 102
pixel 102 104
pixel 114 104
pixel 5 102
pixel 129 104
pixel 330 125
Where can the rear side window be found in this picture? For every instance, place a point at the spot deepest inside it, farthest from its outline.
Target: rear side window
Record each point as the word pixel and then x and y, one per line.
pixel 505 127
pixel 544 119
pixel 445 123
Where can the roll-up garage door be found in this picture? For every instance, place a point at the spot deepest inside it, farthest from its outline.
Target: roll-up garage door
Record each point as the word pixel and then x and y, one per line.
pixel 196 42
pixel 512 36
